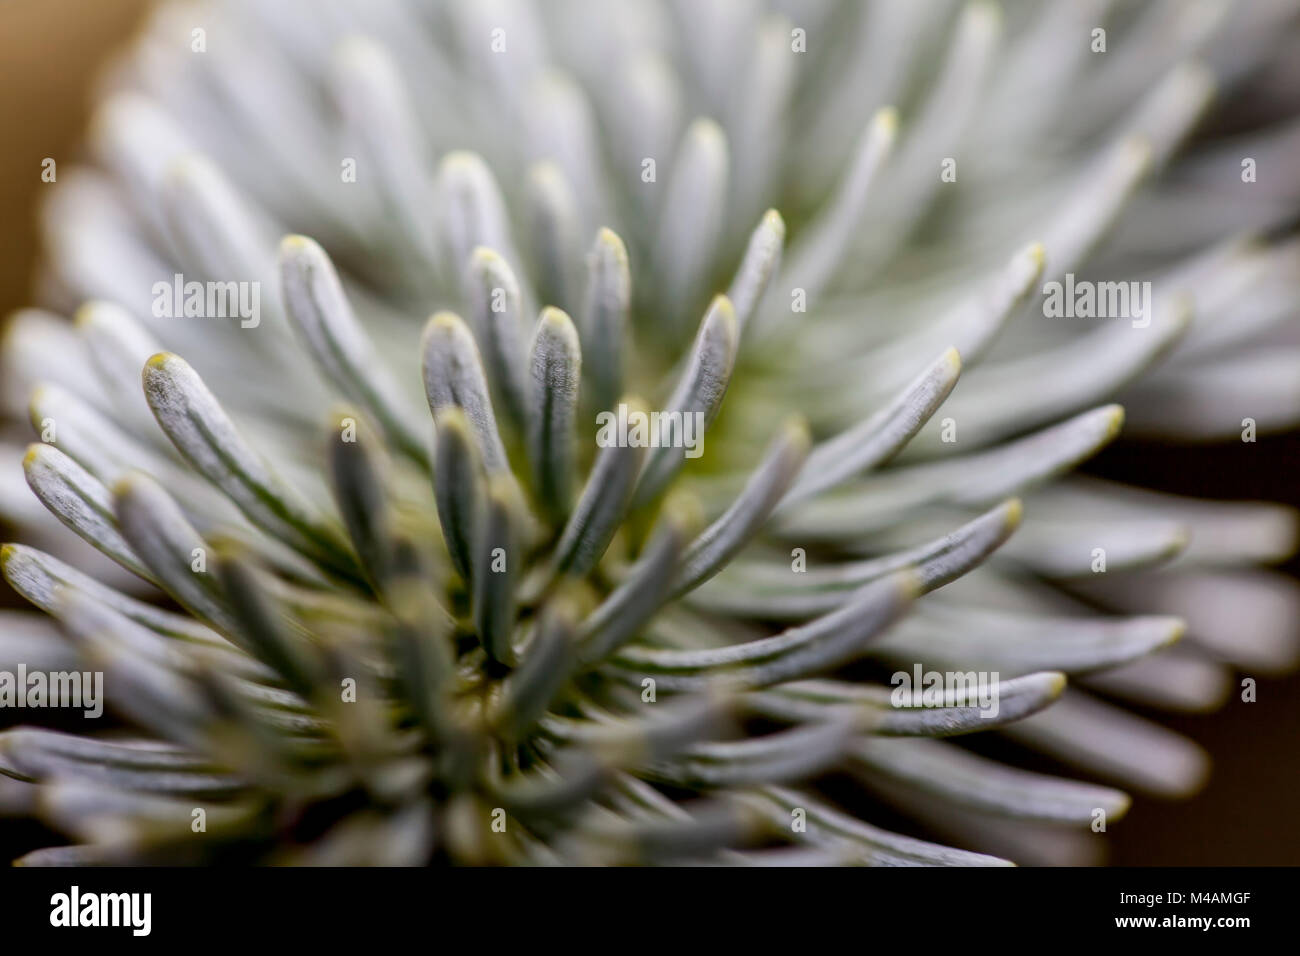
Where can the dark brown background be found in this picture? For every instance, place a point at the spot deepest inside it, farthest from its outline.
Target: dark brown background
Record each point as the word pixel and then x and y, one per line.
pixel 50 50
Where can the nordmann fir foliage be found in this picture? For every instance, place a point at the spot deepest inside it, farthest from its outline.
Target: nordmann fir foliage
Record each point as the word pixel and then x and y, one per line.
pixel 377 596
